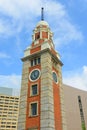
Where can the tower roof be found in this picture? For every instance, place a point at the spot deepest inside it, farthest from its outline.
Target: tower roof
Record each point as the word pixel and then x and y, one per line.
pixel 42 23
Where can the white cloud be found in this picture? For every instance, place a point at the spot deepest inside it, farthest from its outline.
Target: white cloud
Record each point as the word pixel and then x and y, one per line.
pixel 16 8
pixel 85 69
pixel 8 27
pixel 16 15
pixel 12 81
pixel 67 33
pixel 4 27
pixel 76 79
pixel 4 55
pixel 24 13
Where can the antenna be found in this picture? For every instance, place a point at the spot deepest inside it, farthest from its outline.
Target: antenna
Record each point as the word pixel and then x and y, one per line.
pixel 42 14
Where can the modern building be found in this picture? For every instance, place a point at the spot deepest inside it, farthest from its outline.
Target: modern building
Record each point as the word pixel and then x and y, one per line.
pixel 9 106
pixel 6 91
pixel 76 108
pixel 10 91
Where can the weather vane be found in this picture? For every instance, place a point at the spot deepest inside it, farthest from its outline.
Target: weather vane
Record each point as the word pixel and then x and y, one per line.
pixel 42 14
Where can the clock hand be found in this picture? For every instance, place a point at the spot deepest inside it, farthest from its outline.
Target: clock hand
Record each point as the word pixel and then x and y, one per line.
pixel 33 76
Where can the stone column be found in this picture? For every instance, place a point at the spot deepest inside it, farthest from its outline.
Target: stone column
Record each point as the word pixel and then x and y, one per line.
pixel 23 96
pixel 47 99
pixel 64 126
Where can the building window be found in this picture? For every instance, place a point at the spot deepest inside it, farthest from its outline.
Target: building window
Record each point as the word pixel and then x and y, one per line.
pixel 34 109
pixel 34 90
pixel 39 60
pixel 81 113
pixel 31 62
pixel 37 36
pixel 35 61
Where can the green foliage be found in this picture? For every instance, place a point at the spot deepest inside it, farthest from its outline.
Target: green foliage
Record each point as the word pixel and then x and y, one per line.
pixel 83 126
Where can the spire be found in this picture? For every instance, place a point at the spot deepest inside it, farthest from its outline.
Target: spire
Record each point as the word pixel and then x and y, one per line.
pixel 42 14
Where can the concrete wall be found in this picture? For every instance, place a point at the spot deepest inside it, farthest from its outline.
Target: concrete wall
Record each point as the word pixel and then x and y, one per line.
pixel 73 117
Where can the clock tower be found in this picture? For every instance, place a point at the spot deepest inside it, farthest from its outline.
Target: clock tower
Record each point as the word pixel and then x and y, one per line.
pixel 41 99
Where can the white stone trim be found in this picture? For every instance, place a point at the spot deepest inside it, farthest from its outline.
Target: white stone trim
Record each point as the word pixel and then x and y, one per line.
pixel 45 45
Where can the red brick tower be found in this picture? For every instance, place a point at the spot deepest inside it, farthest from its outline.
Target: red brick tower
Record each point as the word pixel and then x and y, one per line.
pixel 41 99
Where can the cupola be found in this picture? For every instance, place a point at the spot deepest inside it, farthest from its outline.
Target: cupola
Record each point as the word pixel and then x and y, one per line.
pixel 42 33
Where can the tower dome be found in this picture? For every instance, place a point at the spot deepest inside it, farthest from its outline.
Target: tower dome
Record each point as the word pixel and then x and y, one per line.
pixel 40 23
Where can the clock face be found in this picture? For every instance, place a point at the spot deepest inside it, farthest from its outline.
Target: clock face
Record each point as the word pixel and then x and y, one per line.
pixel 34 75
pixel 55 77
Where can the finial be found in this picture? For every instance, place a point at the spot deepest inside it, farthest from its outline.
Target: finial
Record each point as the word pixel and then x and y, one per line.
pixel 42 14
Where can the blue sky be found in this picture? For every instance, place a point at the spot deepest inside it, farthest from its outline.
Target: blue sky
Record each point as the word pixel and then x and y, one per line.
pixel 68 22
